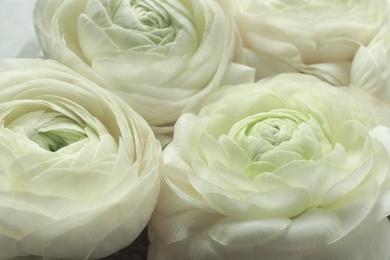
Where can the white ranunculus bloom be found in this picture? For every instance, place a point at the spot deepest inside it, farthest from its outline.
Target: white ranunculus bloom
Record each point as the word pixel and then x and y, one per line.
pixel 370 69
pixel 285 169
pixel 314 37
pixel 156 55
pixel 79 169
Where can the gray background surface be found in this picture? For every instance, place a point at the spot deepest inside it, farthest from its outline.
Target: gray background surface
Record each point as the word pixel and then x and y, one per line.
pixel 16 27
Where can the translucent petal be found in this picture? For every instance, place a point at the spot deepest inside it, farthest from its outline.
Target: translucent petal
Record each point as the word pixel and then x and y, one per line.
pixel 233 232
pixel 287 203
pixel 228 202
pixel 354 208
pixel 93 40
pixel 313 228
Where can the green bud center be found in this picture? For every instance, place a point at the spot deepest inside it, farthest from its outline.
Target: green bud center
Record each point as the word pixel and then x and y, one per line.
pixel 149 17
pixel 50 130
pixel 274 131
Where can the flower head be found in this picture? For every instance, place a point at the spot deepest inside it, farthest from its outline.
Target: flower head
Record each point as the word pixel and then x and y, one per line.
pixel 79 169
pixel 287 168
pixel 156 55
pixel 314 37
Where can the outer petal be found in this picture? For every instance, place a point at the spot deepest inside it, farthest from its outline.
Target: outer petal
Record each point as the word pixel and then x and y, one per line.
pixel 370 67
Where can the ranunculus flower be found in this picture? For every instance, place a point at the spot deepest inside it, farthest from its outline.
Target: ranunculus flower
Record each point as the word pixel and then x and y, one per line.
pixel 370 69
pixel 79 169
pixel 314 37
pixel 285 169
pixel 156 55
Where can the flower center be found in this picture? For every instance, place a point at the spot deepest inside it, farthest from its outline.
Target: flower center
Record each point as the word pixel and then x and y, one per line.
pixel 51 131
pixel 274 131
pixel 148 17
pixel 264 132
pixel 55 140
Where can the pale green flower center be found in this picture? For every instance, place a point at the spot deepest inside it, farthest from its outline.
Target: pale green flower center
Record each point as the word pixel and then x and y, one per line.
pixel 150 18
pixel 55 140
pixel 139 28
pixel 50 130
pixel 274 131
pixel 265 141
pixel 264 132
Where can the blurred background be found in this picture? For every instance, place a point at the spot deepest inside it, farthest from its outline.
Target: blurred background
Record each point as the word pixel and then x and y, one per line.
pixel 16 27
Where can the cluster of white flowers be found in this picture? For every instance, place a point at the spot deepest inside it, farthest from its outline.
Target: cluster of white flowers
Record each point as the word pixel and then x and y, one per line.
pixel 234 129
